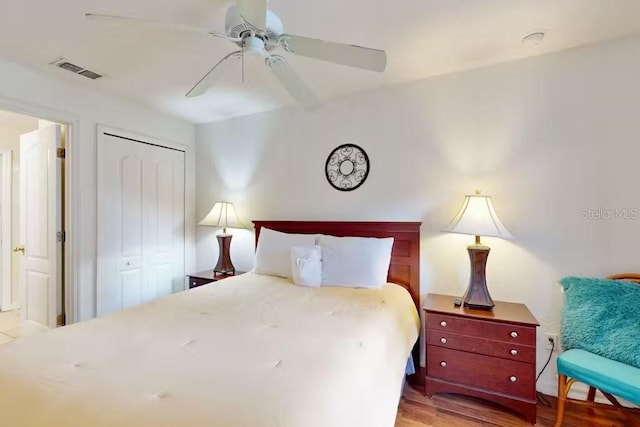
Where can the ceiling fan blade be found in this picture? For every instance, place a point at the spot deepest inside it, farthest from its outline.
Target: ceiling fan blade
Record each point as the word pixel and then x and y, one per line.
pixel 291 81
pixel 150 23
pixel 254 12
pixel 345 54
pixel 205 82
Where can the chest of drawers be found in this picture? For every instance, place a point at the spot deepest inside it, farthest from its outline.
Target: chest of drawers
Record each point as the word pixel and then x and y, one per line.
pixel 208 276
pixel 486 354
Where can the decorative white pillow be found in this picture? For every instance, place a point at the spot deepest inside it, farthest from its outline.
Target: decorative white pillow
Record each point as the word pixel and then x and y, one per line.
pixel 358 262
pixel 273 254
pixel 306 265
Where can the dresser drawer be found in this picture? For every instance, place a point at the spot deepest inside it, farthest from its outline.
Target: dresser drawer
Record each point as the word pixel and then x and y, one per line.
pixel 501 349
pixel 504 376
pixel 487 329
pixel 194 282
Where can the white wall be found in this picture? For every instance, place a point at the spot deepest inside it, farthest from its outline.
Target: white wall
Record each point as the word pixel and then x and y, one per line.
pixel 40 94
pixel 547 137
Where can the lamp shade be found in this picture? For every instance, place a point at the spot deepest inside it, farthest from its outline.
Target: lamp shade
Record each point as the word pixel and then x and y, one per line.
pixel 223 214
pixel 478 217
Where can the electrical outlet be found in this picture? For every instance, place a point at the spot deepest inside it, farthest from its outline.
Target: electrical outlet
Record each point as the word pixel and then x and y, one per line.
pixel 550 336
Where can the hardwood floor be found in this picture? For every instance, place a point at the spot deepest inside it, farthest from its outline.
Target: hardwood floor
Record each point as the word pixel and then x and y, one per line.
pixel 449 410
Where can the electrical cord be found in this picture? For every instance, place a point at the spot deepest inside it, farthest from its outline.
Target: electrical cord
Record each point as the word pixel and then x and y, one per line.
pixel 540 397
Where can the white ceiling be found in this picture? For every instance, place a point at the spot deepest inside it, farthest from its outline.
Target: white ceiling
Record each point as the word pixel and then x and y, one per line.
pixel 422 38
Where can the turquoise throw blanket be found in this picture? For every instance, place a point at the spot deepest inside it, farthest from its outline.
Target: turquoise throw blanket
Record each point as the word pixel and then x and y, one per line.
pixel 602 317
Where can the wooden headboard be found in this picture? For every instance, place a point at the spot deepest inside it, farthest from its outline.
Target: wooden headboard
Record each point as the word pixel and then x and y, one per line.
pixel 405 256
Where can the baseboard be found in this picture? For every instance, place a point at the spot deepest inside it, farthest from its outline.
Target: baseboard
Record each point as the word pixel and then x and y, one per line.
pixel 10 307
pixel 547 387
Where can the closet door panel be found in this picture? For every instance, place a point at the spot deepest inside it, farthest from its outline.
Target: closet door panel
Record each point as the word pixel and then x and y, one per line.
pixel 140 222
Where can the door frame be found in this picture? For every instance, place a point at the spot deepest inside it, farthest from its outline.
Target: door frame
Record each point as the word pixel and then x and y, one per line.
pixel 72 124
pixel 7 239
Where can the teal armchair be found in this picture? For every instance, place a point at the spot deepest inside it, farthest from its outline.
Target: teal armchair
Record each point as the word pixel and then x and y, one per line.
pixel 601 326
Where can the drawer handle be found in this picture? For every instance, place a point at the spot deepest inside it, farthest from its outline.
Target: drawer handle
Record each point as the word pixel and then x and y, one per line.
pixel 514 352
pixel 443 340
pixel 443 364
pixel 514 334
pixel 443 323
pixel 513 379
pixel 194 283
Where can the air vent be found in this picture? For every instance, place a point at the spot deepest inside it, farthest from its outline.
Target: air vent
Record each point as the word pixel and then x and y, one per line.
pixel 76 69
pixel 70 67
pixel 90 74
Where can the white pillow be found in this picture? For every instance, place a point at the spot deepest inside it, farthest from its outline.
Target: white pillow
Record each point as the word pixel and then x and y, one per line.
pixel 359 262
pixel 273 254
pixel 306 265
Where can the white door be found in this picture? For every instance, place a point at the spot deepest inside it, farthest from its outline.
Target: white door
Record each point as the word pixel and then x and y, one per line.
pixel 39 219
pixel 141 233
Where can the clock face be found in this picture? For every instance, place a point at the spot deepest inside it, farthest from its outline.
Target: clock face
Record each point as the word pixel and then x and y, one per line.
pixel 347 167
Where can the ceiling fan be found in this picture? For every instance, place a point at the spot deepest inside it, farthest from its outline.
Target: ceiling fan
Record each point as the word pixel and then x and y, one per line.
pixel 259 32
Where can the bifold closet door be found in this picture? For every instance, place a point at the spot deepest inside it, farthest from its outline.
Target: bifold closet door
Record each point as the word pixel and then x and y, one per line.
pixel 141 232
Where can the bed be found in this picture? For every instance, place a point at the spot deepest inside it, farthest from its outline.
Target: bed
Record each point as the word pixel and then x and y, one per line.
pixel 252 350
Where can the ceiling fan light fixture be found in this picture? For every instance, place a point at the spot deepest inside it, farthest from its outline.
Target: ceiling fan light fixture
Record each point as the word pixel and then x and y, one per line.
pixel 254 46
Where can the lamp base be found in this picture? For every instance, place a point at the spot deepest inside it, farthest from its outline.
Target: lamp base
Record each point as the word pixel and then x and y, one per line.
pixel 224 265
pixel 477 295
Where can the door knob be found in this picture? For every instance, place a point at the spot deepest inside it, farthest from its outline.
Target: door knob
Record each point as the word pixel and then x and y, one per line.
pixel 19 249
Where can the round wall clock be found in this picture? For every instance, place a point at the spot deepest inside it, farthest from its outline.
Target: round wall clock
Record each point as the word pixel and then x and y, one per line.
pixel 347 167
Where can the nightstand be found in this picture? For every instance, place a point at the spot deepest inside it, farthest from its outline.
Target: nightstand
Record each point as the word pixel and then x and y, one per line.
pixel 207 276
pixel 485 354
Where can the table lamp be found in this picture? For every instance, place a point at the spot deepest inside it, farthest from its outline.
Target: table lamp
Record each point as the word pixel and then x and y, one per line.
pixel 478 217
pixel 223 214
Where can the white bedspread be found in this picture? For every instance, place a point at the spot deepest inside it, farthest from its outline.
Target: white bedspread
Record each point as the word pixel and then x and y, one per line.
pixel 246 351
